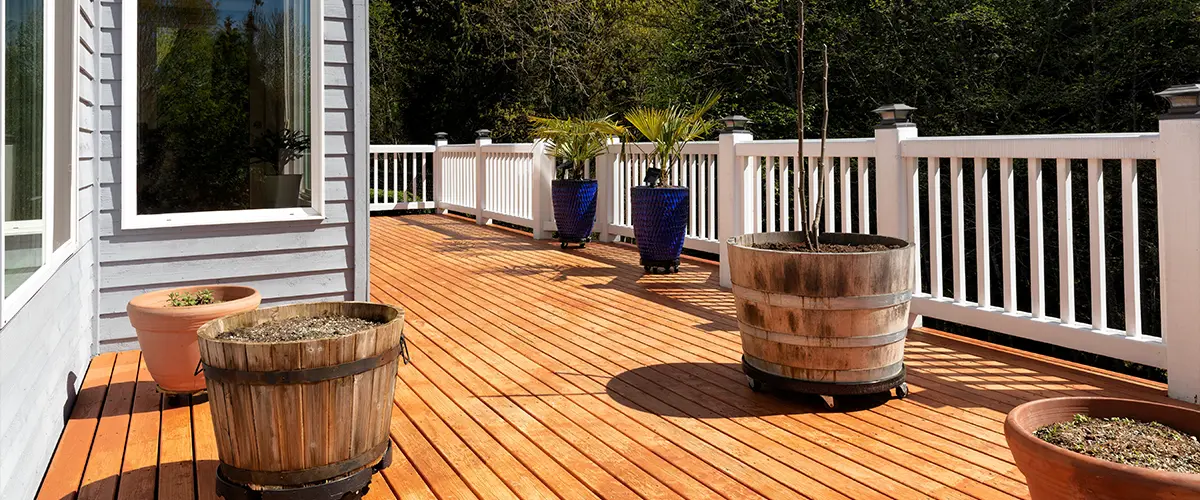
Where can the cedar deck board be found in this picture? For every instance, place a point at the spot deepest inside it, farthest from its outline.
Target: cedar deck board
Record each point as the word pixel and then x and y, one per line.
pixel 541 373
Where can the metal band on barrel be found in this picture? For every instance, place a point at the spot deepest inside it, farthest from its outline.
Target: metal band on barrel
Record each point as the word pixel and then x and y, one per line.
pixel 823 303
pixel 302 376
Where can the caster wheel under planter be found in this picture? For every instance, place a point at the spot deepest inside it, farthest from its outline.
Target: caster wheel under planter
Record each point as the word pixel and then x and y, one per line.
pixel 755 385
pixel 902 390
pixel 675 269
pixel 583 245
pixel 563 245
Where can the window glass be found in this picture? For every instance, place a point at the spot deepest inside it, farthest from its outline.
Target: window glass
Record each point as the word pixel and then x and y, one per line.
pixel 223 105
pixel 24 106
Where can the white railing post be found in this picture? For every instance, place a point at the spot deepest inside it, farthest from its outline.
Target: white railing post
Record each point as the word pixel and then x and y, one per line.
pixel 896 212
pixel 606 190
pixel 1179 238
pixel 542 174
pixel 439 141
pixel 735 209
pixel 483 137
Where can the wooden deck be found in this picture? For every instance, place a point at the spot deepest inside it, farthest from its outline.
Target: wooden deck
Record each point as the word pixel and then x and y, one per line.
pixel 539 373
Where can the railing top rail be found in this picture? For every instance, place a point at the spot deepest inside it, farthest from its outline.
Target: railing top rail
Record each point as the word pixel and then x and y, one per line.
pixel 787 147
pixel 519 147
pixel 402 148
pixel 694 147
pixel 457 147
pixel 1107 146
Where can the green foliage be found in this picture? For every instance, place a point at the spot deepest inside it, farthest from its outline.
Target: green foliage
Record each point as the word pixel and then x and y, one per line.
pixel 969 66
pixel 186 299
pixel 278 148
pixel 576 141
pixel 671 128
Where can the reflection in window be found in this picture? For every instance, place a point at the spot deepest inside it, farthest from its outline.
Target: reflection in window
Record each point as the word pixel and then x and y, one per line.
pixel 23 135
pixel 223 105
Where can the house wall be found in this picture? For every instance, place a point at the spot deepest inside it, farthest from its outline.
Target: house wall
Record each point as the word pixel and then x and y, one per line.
pixel 286 262
pixel 45 348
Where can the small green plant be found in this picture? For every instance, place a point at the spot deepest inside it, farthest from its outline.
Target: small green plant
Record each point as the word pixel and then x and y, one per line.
pixel 670 129
pixel 185 299
pixel 575 141
pixel 278 148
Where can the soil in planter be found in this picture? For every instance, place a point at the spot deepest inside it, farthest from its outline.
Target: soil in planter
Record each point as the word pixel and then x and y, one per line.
pixel 801 246
pixel 1125 441
pixel 299 329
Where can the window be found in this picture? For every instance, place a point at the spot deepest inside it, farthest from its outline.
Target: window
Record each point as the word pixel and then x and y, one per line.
pixel 38 125
pixel 224 129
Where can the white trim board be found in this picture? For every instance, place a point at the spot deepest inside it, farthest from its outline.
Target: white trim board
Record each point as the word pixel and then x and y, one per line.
pixel 130 219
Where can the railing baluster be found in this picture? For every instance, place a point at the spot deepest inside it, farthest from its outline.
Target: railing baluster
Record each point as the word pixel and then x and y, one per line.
pixel 711 193
pixel 1066 257
pixel 1037 265
pixel 958 262
pixel 759 168
pixel 1008 236
pixel 402 195
pixel 814 189
pixel 829 190
pixel 693 194
pixel 1096 243
pixel 914 217
pixel 934 173
pixel 864 196
pixel 375 185
pixel 982 229
pixel 772 220
pixel 844 172
pixel 781 164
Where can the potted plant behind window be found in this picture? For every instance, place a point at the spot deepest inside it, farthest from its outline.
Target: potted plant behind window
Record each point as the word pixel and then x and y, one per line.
pixel 660 212
pixel 166 322
pixel 275 150
pixel 575 143
pixel 821 313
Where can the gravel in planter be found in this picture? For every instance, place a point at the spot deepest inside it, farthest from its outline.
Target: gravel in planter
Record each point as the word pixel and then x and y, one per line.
pixel 299 329
pixel 825 247
pixel 1125 441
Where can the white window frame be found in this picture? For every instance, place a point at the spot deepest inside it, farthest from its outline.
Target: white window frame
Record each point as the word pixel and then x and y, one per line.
pixel 129 217
pixel 52 259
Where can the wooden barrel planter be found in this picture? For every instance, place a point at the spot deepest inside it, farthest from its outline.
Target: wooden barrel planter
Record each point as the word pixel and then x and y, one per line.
pixel 823 323
pixel 303 419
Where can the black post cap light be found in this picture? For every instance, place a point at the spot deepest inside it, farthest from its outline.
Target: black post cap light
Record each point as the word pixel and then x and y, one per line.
pixel 1184 101
pixel 483 133
pixel 441 136
pixel 736 123
pixel 894 115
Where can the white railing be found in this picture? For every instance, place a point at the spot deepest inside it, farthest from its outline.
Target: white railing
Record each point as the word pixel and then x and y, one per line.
pixel 401 177
pixel 945 295
pixel 976 228
pixel 508 174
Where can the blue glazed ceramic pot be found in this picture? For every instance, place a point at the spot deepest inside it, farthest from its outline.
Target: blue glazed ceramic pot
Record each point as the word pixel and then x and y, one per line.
pixel 574 209
pixel 660 217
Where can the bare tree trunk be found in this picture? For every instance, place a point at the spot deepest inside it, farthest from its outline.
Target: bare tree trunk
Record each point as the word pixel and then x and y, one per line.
pixel 802 188
pixel 821 179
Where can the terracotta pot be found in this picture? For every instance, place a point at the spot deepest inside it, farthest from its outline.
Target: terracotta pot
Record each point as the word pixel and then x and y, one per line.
pixel 168 334
pixel 1057 473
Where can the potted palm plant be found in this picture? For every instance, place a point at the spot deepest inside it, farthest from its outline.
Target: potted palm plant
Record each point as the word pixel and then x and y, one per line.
pixel 821 313
pixel 275 149
pixel 575 143
pixel 660 212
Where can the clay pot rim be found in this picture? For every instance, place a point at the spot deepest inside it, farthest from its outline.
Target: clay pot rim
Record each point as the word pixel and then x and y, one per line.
pixel 203 331
pixel 907 244
pixel 143 303
pixel 1013 430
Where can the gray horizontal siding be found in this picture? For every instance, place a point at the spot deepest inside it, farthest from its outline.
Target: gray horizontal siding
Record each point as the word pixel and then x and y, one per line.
pixel 44 350
pixel 287 262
